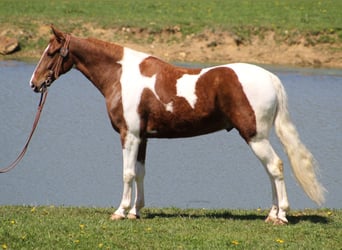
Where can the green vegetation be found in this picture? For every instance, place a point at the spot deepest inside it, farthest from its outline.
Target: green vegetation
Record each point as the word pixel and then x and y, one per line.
pixel 25 227
pixel 193 15
pixel 317 21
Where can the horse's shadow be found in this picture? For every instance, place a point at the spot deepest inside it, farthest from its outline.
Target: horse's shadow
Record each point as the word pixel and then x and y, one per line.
pixel 231 215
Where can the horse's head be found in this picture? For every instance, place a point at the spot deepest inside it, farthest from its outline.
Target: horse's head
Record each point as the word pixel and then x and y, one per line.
pixel 54 62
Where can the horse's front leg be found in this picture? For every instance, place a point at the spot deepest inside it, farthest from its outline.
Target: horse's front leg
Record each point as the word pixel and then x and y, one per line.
pixel 139 202
pixel 130 152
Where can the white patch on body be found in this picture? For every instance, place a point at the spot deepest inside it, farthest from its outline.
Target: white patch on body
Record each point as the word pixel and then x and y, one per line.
pixel 133 84
pixel 255 81
pixel 186 87
pixel 259 89
pixel 169 107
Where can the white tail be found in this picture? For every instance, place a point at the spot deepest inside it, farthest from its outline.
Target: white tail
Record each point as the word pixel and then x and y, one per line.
pixel 304 165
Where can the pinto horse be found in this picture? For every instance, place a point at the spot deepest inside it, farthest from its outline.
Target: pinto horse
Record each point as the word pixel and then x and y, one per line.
pixel 149 98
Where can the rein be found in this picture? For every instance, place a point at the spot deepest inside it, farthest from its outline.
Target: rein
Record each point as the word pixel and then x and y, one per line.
pixel 53 75
pixel 35 123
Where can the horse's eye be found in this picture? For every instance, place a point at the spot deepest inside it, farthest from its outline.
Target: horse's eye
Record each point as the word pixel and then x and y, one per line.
pixel 51 52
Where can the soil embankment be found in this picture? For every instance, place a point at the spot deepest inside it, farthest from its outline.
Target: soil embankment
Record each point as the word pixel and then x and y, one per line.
pixel 209 47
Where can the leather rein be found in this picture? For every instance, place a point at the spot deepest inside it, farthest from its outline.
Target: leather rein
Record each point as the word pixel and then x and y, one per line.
pixel 53 75
pixel 35 123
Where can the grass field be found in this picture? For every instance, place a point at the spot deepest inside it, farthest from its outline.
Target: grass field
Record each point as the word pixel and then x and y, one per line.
pixel 195 15
pixel 318 21
pixel 25 227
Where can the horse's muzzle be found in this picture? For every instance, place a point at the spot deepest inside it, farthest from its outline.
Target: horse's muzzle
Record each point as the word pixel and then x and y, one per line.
pixel 40 89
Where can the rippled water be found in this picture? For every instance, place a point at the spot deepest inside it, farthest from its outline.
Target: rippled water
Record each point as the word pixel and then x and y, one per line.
pixel 75 156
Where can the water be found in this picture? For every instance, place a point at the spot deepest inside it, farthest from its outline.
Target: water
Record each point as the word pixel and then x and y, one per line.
pixel 75 156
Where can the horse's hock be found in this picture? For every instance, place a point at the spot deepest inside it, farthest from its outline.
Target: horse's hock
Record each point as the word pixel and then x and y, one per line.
pixel 8 45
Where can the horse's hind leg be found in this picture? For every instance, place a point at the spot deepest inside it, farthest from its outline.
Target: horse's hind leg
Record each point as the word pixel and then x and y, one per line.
pixel 274 167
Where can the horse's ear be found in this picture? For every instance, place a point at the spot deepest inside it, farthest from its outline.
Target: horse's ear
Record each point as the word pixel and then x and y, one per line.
pixel 58 34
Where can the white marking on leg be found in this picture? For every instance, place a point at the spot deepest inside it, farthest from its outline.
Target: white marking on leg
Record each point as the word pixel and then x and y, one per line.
pixel 130 152
pixel 272 215
pixel 139 191
pixel 264 151
pixel 283 204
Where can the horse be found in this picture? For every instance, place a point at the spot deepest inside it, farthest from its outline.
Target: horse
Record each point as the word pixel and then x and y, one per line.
pixel 148 98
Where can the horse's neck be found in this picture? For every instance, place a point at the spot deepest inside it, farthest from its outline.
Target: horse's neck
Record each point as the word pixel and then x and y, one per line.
pixel 97 60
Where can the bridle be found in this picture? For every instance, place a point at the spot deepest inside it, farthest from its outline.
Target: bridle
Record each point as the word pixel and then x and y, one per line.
pixel 53 75
pixel 54 71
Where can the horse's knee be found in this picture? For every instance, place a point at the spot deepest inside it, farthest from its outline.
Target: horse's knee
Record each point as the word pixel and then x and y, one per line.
pixel 137 174
pixel 276 169
pixel 128 177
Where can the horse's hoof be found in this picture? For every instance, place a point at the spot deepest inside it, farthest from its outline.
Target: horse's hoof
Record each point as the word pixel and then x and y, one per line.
pixel 279 221
pixel 270 219
pixel 133 216
pixel 117 217
pixel 276 221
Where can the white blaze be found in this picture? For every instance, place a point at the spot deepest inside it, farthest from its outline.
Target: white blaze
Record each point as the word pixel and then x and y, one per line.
pixel 34 72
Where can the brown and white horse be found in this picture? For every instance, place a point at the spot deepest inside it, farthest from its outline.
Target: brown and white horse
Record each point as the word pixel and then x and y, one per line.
pixel 149 98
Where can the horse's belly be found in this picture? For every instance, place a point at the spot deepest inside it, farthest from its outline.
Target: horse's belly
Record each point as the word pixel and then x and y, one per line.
pixel 175 128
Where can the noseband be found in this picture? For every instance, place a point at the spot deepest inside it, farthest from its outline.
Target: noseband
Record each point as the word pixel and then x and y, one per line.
pixel 54 71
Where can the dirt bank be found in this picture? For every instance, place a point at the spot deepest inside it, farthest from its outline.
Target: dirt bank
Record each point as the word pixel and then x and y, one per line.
pixel 224 47
pixel 211 47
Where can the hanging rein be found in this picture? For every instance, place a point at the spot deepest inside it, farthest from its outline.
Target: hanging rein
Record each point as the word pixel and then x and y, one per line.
pixel 53 75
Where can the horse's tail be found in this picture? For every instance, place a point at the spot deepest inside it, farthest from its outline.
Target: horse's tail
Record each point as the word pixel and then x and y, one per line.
pixel 303 163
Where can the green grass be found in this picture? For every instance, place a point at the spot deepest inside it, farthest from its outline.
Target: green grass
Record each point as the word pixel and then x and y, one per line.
pixel 319 21
pixel 25 227
pixel 194 14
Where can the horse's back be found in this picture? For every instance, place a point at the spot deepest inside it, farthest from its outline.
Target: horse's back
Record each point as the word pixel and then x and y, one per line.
pixel 254 79
pixel 258 84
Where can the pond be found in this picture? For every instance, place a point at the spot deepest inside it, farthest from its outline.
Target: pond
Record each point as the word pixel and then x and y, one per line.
pixel 74 158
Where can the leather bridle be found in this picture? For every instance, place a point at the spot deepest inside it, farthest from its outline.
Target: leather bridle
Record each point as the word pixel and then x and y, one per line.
pixel 54 71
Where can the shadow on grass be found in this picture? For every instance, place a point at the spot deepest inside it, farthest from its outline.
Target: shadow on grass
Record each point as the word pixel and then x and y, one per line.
pixel 317 219
pixel 229 215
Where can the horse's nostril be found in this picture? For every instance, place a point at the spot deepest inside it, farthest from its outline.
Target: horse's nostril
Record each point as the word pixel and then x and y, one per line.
pixel 34 88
